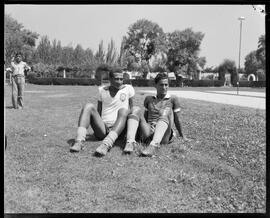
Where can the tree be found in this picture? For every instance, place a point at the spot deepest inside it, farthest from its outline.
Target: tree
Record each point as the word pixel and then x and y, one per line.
pixel 111 55
pixel 202 62
pixel 78 56
pixel 67 56
pixel 252 64
pixel 44 50
pixel 100 54
pixel 158 62
pixel 18 39
pixel 260 53
pixel 183 49
pixel 227 66
pixel 56 52
pixel 144 39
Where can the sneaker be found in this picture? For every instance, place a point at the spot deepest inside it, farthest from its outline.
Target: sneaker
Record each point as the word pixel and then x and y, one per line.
pixel 150 150
pixel 77 146
pixel 129 147
pixel 103 149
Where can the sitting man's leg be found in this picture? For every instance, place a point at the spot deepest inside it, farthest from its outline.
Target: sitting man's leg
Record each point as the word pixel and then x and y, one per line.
pixel 132 126
pixel 136 122
pixel 117 129
pixel 89 116
pixel 162 132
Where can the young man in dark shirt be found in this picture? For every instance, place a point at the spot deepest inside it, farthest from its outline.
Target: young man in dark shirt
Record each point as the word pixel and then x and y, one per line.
pixel 155 124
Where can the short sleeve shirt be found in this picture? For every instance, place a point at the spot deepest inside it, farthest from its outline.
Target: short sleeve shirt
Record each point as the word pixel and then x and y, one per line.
pixel 153 106
pixel 18 68
pixel 111 105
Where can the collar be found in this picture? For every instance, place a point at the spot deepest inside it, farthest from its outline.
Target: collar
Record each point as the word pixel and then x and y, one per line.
pixel 167 96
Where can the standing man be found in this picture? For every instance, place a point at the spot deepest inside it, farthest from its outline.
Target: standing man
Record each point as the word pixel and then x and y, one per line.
pixel 18 68
pixel 155 124
pixel 108 120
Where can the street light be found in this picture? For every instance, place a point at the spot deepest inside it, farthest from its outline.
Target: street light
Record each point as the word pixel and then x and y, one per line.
pixel 241 19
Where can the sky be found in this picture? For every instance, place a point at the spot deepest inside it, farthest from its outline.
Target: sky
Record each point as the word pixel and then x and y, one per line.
pixel 87 25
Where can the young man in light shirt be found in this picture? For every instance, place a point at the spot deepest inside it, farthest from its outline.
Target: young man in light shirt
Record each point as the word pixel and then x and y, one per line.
pixel 108 120
pixel 18 68
pixel 154 125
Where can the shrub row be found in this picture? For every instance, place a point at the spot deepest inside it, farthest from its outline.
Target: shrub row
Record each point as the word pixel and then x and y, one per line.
pixel 62 81
pixel 203 83
pixel 139 82
pixel 257 84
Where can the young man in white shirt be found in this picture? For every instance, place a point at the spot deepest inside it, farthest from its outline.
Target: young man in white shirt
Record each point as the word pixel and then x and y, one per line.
pixel 108 120
pixel 18 68
pixel 155 123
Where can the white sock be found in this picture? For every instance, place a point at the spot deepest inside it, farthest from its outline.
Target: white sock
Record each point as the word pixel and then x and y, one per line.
pixel 132 123
pixel 160 130
pixel 110 138
pixel 81 133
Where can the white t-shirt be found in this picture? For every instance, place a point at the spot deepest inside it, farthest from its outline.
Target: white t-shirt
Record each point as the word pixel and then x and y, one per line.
pixel 111 105
pixel 18 68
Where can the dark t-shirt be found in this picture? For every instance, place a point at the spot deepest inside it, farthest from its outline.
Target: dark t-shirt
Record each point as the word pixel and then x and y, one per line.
pixel 153 106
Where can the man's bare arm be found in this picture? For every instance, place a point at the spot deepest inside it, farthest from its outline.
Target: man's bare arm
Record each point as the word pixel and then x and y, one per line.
pixel 177 123
pixel 177 113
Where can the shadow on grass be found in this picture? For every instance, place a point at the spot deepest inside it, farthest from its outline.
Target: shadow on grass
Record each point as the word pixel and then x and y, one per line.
pixel 89 137
pixel 9 107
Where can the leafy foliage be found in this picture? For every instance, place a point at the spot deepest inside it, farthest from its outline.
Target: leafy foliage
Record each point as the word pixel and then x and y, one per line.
pixel 18 39
pixel 144 39
pixel 183 49
pixel 227 66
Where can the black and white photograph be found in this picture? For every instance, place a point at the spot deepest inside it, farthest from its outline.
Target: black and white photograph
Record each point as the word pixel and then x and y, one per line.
pixel 135 108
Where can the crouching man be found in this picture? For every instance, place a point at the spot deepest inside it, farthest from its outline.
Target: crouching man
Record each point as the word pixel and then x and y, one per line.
pixel 154 125
pixel 108 120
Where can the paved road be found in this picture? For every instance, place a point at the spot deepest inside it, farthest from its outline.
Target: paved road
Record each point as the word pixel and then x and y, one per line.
pixel 244 99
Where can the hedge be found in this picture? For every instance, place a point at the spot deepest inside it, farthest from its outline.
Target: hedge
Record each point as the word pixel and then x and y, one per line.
pixel 62 81
pixel 139 82
pixel 256 84
pixel 203 83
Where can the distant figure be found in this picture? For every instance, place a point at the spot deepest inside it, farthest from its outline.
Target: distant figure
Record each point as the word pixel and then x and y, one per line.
pixel 19 68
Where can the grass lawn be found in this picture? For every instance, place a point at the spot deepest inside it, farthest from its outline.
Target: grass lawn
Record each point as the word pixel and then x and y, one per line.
pixel 221 170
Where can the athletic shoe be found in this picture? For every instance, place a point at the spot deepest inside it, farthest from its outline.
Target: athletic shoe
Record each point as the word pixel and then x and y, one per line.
pixel 150 150
pixel 129 147
pixel 103 149
pixel 77 146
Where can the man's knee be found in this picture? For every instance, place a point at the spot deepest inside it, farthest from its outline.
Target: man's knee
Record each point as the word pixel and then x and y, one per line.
pixel 165 115
pixel 89 107
pixel 123 112
pixel 136 111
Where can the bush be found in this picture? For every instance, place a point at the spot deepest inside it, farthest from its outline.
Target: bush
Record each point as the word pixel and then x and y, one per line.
pixel 61 81
pixel 138 82
pixel 257 84
pixel 142 82
pixel 203 83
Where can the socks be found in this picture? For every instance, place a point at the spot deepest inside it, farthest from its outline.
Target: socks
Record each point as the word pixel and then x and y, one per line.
pixel 160 130
pixel 110 138
pixel 81 133
pixel 132 123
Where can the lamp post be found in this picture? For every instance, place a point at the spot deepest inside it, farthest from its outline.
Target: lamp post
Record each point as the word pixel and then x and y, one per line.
pixel 241 19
